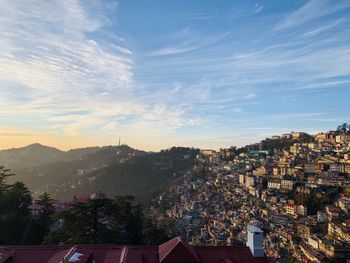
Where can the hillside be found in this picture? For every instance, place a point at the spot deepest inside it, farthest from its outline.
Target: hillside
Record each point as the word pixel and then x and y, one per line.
pixel 114 170
pixel 29 156
pixel 36 154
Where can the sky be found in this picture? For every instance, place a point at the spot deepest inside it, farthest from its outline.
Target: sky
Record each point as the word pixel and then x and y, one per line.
pixel 163 73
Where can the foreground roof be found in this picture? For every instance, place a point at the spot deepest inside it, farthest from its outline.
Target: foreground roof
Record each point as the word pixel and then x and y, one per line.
pixel 173 251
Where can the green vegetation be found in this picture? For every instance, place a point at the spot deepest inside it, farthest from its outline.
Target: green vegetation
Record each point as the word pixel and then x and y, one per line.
pixel 107 221
pixel 343 129
pixel 270 145
pixel 114 170
pixel 99 221
pixel 316 202
pixel 15 215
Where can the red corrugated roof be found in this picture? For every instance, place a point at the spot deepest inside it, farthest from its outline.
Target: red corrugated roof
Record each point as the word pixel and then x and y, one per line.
pixel 237 254
pixel 4 255
pixel 176 249
pixel 173 251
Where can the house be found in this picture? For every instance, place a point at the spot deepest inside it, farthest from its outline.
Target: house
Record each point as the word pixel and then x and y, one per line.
pixel 302 210
pixel 334 249
pixel 275 137
pixel 174 251
pixel 242 179
pixel 312 254
pixel 286 136
pixel 291 209
pixel 287 185
pixel 274 184
pixel 342 138
pixel 333 212
pixel 298 135
pixel 249 181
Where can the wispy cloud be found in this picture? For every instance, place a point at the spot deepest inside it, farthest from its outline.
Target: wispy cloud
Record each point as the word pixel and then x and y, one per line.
pixel 246 11
pixel 70 81
pixel 200 16
pixel 258 8
pixel 68 70
pixel 189 43
pixel 312 10
pixel 325 28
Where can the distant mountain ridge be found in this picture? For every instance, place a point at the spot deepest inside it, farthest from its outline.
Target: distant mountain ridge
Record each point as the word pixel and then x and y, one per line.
pixel 115 170
pixel 38 154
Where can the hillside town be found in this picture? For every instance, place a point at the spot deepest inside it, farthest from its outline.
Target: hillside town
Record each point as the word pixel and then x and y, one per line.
pixel 295 187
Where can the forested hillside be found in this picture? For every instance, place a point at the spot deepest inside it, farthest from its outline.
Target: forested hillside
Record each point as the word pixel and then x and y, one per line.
pixel 114 170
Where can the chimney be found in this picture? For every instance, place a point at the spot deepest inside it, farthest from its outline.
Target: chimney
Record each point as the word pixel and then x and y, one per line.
pixel 255 241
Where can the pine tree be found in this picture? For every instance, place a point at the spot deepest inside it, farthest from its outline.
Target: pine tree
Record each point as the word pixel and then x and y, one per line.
pixel 42 220
pixel 15 217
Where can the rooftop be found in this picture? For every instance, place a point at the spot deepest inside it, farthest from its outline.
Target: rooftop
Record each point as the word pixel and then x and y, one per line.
pixel 173 251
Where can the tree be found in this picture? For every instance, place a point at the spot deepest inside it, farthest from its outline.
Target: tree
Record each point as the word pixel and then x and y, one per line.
pixel 155 234
pixel 104 221
pixel 4 174
pixel 88 223
pixel 19 199
pixel 15 218
pixel 42 219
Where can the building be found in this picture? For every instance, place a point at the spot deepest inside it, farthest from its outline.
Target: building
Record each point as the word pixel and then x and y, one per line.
pixel 291 209
pixel 295 148
pixel 287 136
pixel 320 137
pixel 208 152
pixel 173 251
pixel 275 137
pixel 287 185
pixel 255 241
pixel 249 181
pixel 242 179
pixel 313 241
pixel 276 170
pixel 342 138
pixel 274 184
pixel 298 135
pixel 347 156
pixel 302 210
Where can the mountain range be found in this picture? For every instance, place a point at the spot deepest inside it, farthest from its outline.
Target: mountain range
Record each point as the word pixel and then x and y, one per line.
pixel 114 170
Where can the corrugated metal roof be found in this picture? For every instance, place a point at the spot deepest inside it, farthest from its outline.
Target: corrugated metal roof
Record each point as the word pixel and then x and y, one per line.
pixel 173 251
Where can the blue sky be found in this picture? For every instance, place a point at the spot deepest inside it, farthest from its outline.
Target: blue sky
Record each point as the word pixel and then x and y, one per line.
pixel 161 73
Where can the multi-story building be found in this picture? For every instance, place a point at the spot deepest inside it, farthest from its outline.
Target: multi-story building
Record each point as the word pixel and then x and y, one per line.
pixel 274 184
pixel 342 138
pixel 249 181
pixel 287 185
pixel 291 209
pixel 242 179
pixel 302 210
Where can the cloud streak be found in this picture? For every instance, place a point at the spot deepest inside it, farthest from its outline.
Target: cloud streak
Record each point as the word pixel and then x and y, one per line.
pixel 314 9
pixel 71 82
pixel 70 69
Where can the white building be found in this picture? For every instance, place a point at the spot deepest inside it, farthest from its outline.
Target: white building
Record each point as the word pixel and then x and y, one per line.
pixel 255 241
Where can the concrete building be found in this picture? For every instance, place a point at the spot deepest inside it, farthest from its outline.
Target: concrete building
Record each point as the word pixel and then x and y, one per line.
pixel 255 241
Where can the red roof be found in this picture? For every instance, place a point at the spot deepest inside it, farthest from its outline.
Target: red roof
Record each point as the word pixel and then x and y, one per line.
pixel 176 250
pixel 173 251
pixel 236 254
pixel 4 256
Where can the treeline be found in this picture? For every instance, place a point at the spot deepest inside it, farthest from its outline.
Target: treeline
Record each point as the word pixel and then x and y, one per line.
pixel 283 144
pixel 271 145
pixel 99 221
pixel 343 129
